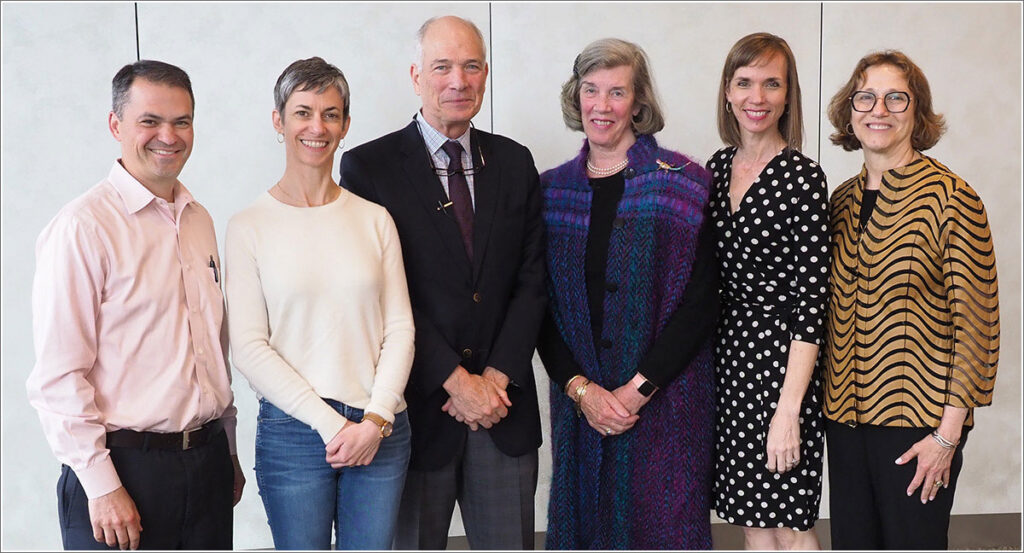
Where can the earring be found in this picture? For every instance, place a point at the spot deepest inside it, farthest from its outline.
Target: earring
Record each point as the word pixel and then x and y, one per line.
pixel 280 138
pixel 728 106
pixel 849 128
pixel 341 145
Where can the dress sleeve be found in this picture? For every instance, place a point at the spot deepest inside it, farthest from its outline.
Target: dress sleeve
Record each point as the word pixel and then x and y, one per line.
pixel 810 249
pixel 693 322
pixel 396 351
pixel 555 353
pixel 969 269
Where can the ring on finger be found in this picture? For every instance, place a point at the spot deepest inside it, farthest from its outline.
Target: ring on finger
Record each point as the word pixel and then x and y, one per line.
pixel 607 431
pixel 938 483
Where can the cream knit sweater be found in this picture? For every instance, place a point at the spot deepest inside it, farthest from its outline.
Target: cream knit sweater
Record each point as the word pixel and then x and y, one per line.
pixel 318 306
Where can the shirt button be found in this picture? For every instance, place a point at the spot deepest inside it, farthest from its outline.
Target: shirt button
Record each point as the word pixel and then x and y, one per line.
pixel 200 351
pixel 467 353
pixel 477 298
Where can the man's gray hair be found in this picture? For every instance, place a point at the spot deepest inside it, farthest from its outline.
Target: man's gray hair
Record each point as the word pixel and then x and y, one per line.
pixel 417 58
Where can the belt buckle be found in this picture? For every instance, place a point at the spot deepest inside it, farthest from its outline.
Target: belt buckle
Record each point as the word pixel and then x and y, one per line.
pixel 186 442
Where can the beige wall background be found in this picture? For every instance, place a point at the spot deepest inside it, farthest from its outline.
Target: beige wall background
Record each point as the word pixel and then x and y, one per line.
pixel 58 59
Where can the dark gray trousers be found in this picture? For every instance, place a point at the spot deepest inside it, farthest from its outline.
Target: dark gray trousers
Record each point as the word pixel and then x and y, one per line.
pixel 495 494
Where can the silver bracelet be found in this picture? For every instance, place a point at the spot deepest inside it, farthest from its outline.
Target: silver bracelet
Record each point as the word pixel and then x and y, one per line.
pixel 946 444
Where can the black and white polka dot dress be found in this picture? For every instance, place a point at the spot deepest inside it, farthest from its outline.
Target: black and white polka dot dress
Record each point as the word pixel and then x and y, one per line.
pixel 774 258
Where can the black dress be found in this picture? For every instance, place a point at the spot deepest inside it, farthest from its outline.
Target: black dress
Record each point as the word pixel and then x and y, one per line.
pixel 773 255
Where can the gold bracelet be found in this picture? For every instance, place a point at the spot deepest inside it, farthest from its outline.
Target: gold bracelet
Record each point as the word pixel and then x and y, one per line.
pixel 569 383
pixel 581 390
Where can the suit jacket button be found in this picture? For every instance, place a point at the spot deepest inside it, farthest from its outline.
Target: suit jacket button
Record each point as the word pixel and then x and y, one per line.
pixel 611 286
pixel 629 173
pixel 467 353
pixel 606 343
pixel 477 298
pixel 619 222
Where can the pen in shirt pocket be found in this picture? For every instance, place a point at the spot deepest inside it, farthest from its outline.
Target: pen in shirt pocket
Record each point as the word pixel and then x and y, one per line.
pixel 213 266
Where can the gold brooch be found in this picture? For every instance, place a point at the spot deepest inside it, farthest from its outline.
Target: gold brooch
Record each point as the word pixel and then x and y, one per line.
pixel 668 167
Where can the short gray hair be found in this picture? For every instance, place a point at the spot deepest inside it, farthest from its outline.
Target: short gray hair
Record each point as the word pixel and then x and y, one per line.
pixel 607 53
pixel 418 51
pixel 309 74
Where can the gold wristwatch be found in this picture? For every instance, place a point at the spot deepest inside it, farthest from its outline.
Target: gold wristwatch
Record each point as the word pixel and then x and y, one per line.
pixel 385 426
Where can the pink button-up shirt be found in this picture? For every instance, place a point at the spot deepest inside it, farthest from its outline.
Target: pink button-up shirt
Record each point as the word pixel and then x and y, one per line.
pixel 127 324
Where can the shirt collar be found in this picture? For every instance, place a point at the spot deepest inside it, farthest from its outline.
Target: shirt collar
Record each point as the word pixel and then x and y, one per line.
pixel 136 196
pixel 435 139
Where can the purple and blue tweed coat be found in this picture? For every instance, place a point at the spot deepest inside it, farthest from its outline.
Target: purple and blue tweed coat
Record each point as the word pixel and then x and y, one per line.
pixel 649 487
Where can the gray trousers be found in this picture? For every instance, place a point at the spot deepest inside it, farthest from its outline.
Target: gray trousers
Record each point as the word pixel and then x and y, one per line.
pixel 495 494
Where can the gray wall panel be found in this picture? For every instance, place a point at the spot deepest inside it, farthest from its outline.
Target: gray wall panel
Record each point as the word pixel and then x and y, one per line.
pixel 58 60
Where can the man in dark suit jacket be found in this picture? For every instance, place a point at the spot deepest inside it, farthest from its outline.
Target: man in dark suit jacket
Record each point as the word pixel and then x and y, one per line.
pixel 472 240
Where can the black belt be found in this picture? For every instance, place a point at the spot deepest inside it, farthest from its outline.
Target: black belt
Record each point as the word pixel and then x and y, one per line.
pixel 181 441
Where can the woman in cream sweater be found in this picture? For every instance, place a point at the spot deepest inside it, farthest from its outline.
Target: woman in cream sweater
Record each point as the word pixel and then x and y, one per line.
pixel 321 326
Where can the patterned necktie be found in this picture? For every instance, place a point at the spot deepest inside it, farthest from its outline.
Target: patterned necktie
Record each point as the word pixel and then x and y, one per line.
pixel 458 193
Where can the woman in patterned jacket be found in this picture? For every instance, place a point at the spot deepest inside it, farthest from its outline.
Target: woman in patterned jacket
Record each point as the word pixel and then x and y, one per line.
pixel 912 338
pixel 633 304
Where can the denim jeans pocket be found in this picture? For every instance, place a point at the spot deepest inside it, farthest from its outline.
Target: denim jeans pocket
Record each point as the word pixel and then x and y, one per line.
pixel 271 414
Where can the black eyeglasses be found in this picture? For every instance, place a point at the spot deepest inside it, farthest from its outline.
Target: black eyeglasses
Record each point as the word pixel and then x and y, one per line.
pixel 445 172
pixel 895 102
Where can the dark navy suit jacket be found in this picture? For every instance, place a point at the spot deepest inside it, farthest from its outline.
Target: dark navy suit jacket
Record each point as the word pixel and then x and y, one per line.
pixel 478 312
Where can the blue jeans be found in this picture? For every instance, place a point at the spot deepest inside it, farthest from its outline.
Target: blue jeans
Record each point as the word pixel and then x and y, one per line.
pixel 304 496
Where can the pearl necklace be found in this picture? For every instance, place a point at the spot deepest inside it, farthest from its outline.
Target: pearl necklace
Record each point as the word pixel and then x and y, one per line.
pixel 608 170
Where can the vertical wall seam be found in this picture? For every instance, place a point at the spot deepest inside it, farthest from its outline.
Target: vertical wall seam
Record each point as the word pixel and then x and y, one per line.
pixel 138 50
pixel 821 61
pixel 490 47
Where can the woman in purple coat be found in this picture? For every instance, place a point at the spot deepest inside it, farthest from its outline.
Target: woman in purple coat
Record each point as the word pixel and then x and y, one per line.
pixel 633 304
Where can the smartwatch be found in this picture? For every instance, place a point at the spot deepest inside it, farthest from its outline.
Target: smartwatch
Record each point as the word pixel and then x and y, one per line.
pixel 646 388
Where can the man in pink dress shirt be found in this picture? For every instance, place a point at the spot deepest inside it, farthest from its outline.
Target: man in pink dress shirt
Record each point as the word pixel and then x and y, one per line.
pixel 131 380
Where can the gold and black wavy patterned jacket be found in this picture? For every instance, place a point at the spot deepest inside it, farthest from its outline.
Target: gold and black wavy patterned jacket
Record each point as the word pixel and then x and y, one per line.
pixel 913 318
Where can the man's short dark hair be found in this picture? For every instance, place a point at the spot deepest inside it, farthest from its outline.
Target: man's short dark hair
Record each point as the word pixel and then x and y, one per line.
pixel 152 71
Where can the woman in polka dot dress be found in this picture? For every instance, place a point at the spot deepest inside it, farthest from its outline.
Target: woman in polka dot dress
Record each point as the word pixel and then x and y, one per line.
pixel 769 205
